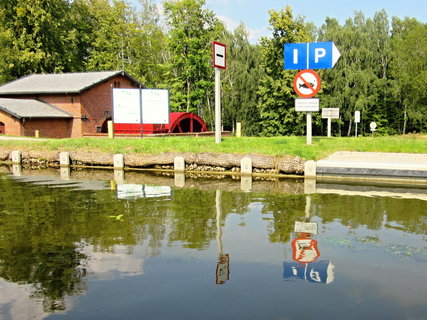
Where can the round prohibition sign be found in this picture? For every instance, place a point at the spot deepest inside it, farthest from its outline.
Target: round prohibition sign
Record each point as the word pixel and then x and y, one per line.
pixel 307 83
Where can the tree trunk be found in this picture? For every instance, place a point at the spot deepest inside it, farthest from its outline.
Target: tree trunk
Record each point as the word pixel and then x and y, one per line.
pixel 350 122
pixel 405 119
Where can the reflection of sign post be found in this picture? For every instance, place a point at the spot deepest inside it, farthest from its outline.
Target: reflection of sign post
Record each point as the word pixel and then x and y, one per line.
pixel 305 227
pixel 305 250
pixel 223 269
pixel 316 272
pixel 330 113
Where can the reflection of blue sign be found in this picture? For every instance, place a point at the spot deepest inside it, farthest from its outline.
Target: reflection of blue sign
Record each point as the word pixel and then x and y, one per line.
pixel 318 272
pixel 315 55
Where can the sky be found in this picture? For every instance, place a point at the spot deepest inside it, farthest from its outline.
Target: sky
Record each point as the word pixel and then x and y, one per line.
pixel 254 13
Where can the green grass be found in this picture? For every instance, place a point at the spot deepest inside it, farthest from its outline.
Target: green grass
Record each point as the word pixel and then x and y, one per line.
pixel 276 146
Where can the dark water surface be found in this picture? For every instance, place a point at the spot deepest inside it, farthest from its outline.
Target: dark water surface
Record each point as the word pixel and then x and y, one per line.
pixel 85 247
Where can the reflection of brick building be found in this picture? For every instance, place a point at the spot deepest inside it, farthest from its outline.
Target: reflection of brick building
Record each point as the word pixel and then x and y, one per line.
pixel 68 105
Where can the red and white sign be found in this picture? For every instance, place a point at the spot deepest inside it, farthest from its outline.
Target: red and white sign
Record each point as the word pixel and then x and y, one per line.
pixel 307 83
pixel 219 55
pixel 305 250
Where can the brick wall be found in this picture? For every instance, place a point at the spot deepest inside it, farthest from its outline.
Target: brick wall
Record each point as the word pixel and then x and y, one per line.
pixel 94 104
pixel 69 103
pixel 12 126
pixel 48 128
pixel 97 103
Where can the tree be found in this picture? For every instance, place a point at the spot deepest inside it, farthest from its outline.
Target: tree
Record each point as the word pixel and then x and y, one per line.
pixel 37 36
pixel 189 73
pixel 409 67
pixel 240 82
pixel 276 96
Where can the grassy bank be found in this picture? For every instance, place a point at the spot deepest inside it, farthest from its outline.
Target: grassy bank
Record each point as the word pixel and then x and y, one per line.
pixel 276 146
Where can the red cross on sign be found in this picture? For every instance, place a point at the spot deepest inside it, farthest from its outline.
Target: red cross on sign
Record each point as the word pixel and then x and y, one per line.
pixel 307 83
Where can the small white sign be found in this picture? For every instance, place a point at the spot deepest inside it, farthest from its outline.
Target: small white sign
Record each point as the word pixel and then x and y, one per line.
pixel 305 227
pixel 126 106
pixel 307 105
pixel 333 113
pixel 219 55
pixel 373 126
pixel 155 106
pixel 357 116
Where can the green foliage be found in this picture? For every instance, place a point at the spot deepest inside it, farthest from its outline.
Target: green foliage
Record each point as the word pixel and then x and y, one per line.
pixel 382 70
pixel 275 93
pixel 239 81
pixel 190 75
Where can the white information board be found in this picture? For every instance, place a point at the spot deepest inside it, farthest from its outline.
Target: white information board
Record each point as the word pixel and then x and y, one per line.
pixel 127 105
pixel 333 113
pixel 307 105
pixel 155 106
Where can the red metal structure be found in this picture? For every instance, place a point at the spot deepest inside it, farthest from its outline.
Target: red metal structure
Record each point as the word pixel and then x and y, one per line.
pixel 179 122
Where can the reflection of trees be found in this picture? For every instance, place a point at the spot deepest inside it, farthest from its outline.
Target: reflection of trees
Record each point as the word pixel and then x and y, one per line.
pixel 371 212
pixel 41 227
pixel 194 217
pixel 286 209
pixel 350 210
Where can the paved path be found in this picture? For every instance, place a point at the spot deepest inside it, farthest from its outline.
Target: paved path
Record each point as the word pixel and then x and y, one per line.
pixel 374 163
pixel 19 138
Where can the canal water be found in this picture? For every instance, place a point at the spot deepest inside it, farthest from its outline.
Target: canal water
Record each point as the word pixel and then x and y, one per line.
pixel 98 245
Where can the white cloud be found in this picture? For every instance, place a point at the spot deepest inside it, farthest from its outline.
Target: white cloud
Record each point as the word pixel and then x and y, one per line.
pixel 253 34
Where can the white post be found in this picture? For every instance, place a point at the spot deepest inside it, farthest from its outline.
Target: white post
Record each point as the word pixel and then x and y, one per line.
pixel 329 126
pixel 217 105
pixel 309 132
pixel 355 131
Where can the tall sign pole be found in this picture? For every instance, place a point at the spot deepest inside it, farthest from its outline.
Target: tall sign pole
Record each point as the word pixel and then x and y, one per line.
pixel 219 62
pixel 308 56
pixel 217 105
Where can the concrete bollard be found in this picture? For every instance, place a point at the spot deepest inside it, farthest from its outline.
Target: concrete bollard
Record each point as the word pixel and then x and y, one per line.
pixel 64 159
pixel 179 178
pixel 16 157
pixel 17 170
pixel 118 161
pixel 309 185
pixel 110 129
pixel 179 164
pixel 119 176
pixel 37 134
pixel 310 169
pixel 65 173
pixel 246 165
pixel 246 183
pixel 238 130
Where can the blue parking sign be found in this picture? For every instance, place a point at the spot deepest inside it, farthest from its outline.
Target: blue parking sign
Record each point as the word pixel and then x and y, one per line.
pixel 296 56
pixel 315 55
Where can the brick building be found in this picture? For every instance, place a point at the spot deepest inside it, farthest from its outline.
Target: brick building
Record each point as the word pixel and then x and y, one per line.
pixel 67 105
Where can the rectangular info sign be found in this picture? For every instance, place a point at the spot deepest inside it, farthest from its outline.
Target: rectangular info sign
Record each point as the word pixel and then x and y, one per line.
pixel 307 105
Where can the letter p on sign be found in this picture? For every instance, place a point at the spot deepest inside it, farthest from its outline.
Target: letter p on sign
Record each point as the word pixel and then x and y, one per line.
pixel 319 53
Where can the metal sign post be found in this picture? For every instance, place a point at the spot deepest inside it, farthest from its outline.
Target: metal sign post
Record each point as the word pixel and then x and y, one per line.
pixel 219 62
pixel 307 105
pixel 217 106
pixel 330 113
pixel 356 121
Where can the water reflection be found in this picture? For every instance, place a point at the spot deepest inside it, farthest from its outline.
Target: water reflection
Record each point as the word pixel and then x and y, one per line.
pixel 222 273
pixel 67 239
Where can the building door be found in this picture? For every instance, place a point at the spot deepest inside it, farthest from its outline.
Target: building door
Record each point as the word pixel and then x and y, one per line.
pixel 2 128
